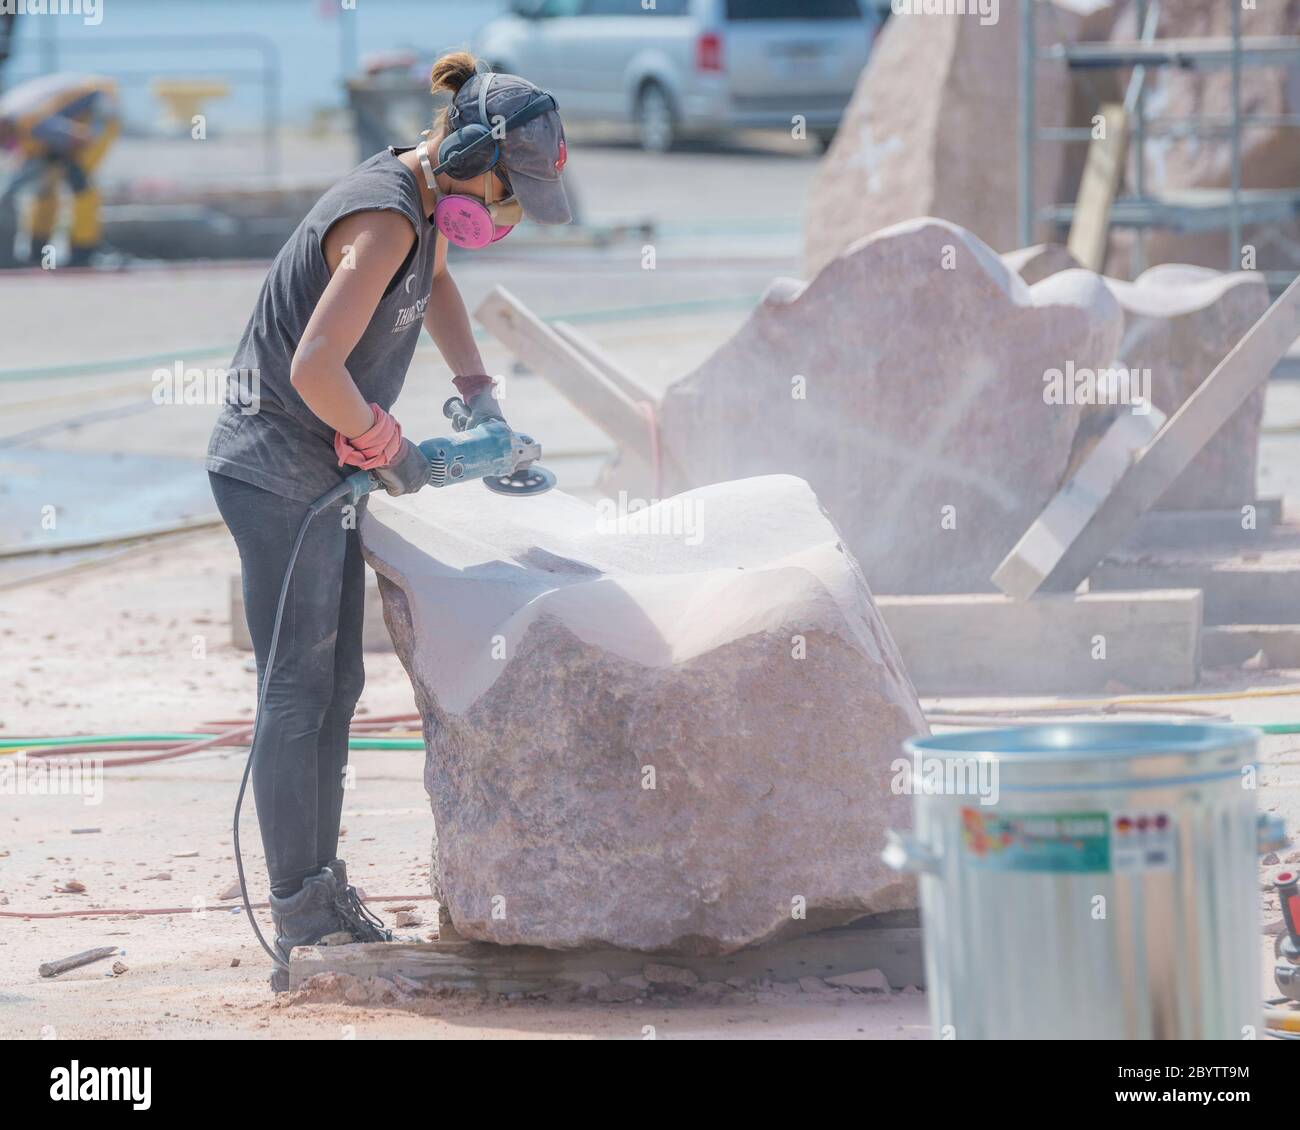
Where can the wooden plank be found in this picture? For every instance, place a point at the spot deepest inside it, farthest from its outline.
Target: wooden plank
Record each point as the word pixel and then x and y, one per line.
pixel 987 643
pixel 630 470
pixel 569 372
pixel 1102 173
pixel 1066 516
pixel 890 943
pixel 624 381
pixel 1059 565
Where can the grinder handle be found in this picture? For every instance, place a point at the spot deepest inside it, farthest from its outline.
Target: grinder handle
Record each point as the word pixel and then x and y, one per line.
pixel 457 411
pixel 361 483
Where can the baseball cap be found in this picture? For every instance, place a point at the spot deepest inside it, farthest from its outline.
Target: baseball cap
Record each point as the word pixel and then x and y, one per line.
pixel 533 154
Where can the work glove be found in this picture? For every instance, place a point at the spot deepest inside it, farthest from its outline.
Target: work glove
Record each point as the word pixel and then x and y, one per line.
pixel 407 473
pixel 477 392
pixel 482 407
pixel 376 447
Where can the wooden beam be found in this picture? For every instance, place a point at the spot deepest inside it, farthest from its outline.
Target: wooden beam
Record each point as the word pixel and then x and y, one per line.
pixel 1039 550
pixel 888 942
pixel 1102 174
pixel 580 382
pixel 629 385
pixel 1060 564
pixel 987 643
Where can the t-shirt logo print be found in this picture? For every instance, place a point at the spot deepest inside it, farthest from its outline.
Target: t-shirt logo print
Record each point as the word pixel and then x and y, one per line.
pixel 409 316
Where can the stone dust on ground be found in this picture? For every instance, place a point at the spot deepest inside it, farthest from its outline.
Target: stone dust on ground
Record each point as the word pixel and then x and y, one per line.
pixel 143 645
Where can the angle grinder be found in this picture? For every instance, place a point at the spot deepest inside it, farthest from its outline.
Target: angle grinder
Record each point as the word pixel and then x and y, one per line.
pixel 505 460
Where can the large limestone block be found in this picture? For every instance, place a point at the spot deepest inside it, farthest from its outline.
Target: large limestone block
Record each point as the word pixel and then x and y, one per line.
pixel 722 647
pixel 906 383
pixel 931 131
pixel 1179 322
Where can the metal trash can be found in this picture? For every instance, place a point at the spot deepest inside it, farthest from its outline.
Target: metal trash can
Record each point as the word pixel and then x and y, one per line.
pixel 1097 882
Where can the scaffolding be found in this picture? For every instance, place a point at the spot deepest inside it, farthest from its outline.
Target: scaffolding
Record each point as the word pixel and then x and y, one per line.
pixel 1182 210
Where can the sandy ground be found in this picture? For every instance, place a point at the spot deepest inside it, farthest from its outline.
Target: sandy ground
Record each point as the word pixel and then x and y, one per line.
pixel 142 645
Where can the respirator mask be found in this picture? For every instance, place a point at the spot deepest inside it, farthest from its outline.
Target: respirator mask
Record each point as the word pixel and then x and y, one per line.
pixel 469 152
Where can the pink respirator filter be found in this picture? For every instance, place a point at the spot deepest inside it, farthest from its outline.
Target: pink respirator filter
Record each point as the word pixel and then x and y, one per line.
pixel 466 222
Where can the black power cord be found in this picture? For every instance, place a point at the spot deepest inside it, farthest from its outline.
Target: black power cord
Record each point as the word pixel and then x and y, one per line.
pixel 319 506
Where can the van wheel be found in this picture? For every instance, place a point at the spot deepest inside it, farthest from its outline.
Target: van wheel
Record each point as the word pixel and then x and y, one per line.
pixel 824 138
pixel 656 126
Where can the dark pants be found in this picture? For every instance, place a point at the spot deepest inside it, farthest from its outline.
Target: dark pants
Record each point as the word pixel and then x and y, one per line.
pixel 302 741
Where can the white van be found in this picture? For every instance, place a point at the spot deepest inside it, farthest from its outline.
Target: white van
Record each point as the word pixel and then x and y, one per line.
pixel 678 67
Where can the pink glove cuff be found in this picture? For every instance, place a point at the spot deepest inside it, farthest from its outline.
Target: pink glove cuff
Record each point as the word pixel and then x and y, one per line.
pixel 471 385
pixel 376 447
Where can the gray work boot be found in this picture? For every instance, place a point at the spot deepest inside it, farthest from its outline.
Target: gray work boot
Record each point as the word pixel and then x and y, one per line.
pixel 303 919
pixel 358 921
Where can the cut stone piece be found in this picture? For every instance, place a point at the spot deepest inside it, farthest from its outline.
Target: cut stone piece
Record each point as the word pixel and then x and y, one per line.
pixel 1099 471
pixel 1034 264
pixel 931 131
pixel 669 732
pixel 1107 521
pixel 866 979
pixel 907 383
pixel 990 644
pixel 1180 322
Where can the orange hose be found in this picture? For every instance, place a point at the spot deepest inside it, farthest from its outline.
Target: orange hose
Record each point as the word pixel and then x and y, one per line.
pixel 234 736
pixel 226 737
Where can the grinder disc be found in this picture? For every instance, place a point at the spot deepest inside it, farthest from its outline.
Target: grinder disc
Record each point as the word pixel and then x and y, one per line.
pixel 525 481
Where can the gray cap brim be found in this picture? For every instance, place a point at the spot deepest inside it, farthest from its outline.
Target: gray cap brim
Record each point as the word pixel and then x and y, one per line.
pixel 543 201
pixel 533 153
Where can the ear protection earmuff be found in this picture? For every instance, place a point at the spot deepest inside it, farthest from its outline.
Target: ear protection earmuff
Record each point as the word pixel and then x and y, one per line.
pixel 469 152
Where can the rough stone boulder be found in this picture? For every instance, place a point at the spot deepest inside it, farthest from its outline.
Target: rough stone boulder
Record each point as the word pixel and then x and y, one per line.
pixel 931 130
pixel 1179 323
pixel 907 383
pixel 670 731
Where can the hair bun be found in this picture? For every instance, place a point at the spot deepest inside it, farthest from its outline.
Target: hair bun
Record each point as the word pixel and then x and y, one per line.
pixel 451 72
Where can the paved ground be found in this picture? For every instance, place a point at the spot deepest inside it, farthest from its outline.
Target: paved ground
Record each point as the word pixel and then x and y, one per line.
pixel 758 174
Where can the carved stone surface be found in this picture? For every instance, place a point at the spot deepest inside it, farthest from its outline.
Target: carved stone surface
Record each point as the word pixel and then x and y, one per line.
pixel 667 732
pixel 906 383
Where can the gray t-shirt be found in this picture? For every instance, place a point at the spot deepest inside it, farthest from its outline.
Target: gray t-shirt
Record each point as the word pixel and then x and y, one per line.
pixel 281 445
